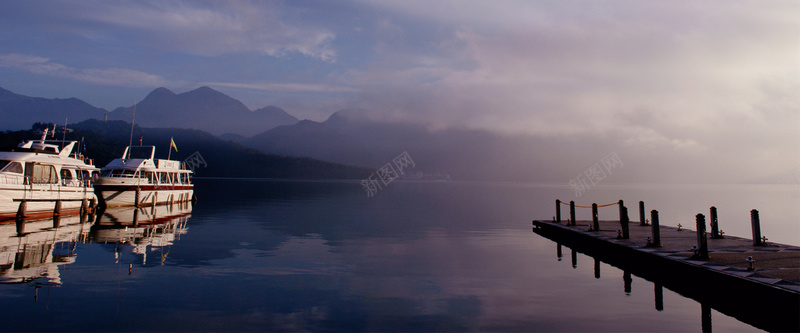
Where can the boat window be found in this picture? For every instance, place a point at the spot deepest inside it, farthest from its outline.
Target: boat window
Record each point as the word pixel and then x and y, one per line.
pixel 44 174
pixel 66 176
pixel 8 166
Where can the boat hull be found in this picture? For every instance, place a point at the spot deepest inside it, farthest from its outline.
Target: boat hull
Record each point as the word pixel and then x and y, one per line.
pixel 120 195
pixel 43 200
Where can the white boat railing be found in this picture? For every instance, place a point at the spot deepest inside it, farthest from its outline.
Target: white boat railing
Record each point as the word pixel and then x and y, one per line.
pixel 12 179
pixel 7 179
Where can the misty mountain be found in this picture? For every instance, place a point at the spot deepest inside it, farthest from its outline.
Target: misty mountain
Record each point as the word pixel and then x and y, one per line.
pixel 19 111
pixel 107 140
pixel 349 136
pixel 204 109
pixel 353 137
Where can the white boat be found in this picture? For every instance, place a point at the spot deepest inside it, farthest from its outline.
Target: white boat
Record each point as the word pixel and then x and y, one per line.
pixel 42 178
pixel 139 179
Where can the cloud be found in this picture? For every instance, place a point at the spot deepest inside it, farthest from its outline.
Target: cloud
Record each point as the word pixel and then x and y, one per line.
pixel 563 68
pixel 294 87
pixel 208 29
pixel 99 76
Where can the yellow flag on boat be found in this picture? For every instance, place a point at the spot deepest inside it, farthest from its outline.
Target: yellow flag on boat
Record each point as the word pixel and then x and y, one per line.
pixel 172 144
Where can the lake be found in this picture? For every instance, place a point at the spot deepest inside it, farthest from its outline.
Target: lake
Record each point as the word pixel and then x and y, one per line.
pixel 266 255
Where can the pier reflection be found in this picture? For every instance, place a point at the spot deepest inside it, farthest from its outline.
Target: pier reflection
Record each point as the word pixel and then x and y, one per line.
pixel 147 229
pixel 779 316
pixel 35 249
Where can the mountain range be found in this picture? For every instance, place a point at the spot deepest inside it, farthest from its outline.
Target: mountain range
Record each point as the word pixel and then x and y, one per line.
pixel 19 111
pixel 203 108
pixel 355 137
pixel 207 154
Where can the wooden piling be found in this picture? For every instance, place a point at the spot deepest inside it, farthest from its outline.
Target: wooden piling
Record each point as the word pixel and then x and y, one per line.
pixel 658 289
pixel 596 268
pixel 642 220
pixel 558 251
pixel 705 320
pixel 574 256
pixel 595 218
pixel 621 206
pixel 656 233
pixel 572 213
pixel 715 234
pixel 558 211
pixel 624 222
pixel 626 276
pixel 702 242
pixel 755 223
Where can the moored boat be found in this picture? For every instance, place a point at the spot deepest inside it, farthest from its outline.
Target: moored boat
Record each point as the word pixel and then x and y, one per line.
pixel 42 178
pixel 139 179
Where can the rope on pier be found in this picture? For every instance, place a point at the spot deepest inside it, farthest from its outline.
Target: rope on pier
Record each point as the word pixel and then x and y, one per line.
pixel 598 206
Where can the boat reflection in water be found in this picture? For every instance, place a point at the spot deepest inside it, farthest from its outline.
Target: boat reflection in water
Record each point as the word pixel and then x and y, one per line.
pixel 31 250
pixel 146 229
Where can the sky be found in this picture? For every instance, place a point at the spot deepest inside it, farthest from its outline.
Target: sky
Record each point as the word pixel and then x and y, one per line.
pixel 711 78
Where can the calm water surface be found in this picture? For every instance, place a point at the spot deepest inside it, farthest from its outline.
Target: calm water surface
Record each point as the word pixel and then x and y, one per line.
pixel 257 255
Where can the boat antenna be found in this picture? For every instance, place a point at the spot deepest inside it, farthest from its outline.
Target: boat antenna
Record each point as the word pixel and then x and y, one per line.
pixel 64 136
pixel 133 119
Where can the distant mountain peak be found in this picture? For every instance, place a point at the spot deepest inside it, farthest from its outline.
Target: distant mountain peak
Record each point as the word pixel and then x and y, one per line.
pixel 349 115
pixel 159 93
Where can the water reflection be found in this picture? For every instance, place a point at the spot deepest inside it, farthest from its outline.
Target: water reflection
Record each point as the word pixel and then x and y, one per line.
pixel 40 248
pixel 147 229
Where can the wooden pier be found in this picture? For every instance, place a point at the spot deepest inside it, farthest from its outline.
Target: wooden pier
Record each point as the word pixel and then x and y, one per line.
pixel 750 279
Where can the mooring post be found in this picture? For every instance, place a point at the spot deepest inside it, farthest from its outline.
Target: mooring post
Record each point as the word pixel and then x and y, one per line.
pixel 642 221
pixel 626 276
pixel 574 256
pixel 596 268
pixel 572 213
pixel 621 206
pixel 702 242
pixel 558 211
pixel 558 251
pixel 705 321
pixel 714 223
pixel 656 233
pixel 624 223
pixel 659 295
pixel 595 218
pixel 756 224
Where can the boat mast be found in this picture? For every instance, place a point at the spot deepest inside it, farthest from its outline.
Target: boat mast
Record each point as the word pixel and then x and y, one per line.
pixel 130 142
pixel 64 136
